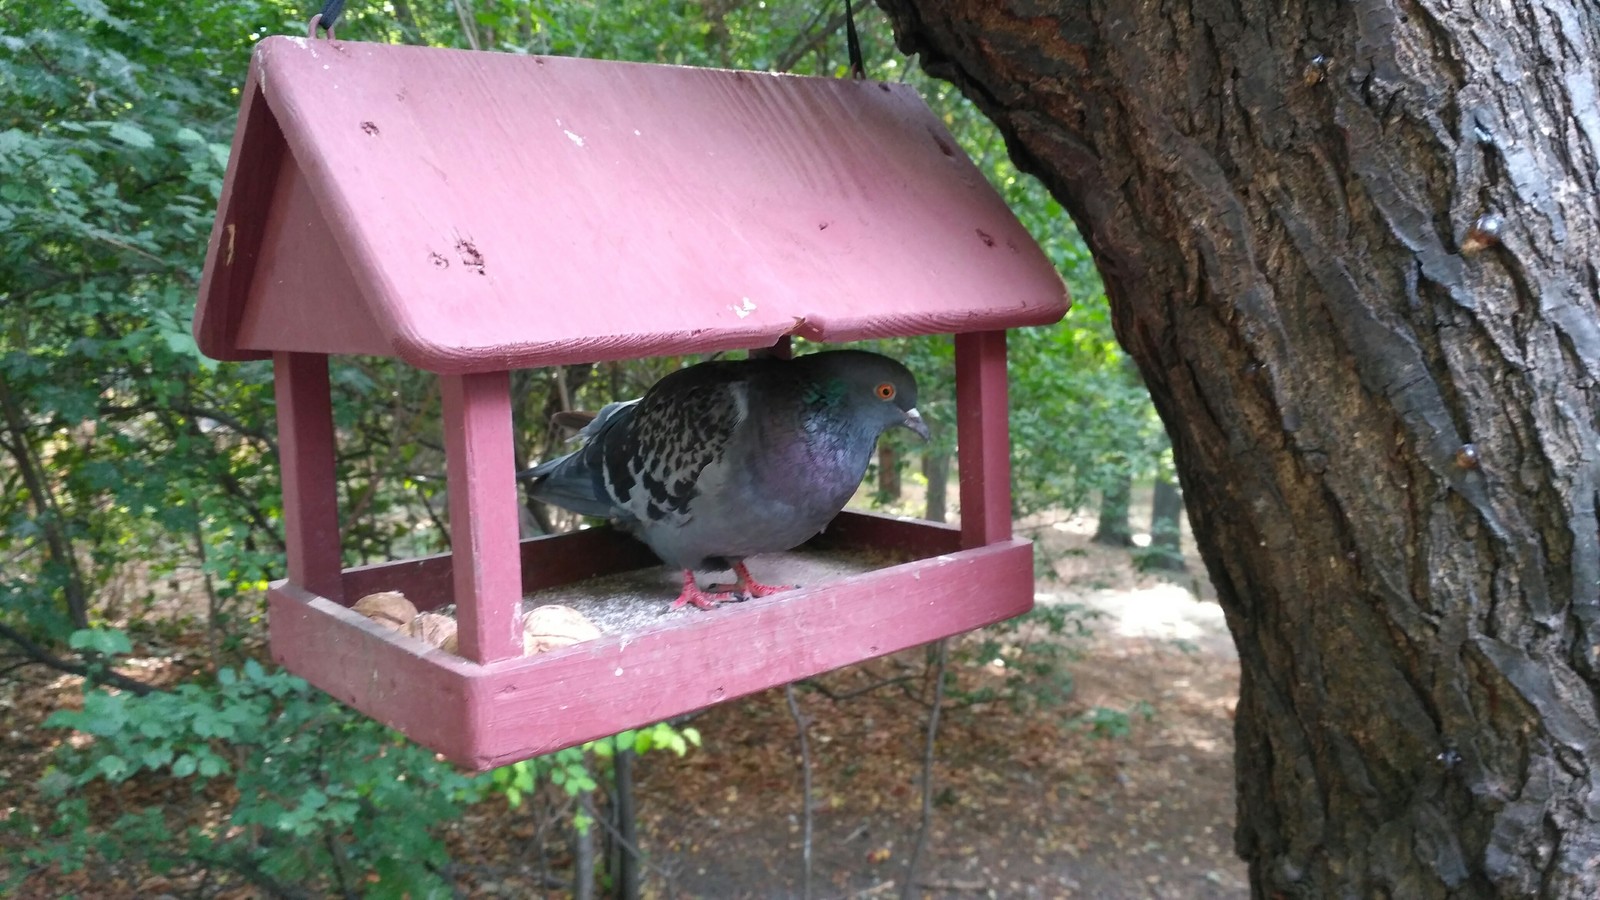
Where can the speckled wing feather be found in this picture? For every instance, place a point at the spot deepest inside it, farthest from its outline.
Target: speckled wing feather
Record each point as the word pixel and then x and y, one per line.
pixel 683 424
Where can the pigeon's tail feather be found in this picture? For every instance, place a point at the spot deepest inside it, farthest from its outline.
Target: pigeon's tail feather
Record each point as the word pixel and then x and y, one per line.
pixel 575 481
pixel 569 484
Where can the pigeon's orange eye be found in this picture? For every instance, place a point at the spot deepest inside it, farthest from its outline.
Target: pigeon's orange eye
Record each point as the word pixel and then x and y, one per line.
pixel 886 391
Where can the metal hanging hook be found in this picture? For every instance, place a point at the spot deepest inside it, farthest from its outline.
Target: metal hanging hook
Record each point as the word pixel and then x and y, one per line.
pixel 853 42
pixel 326 19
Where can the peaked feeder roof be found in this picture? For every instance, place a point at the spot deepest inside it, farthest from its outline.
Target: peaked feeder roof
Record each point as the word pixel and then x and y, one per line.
pixel 471 212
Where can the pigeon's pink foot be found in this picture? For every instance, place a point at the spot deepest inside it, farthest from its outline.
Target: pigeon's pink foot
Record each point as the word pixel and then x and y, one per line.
pixel 753 588
pixel 694 596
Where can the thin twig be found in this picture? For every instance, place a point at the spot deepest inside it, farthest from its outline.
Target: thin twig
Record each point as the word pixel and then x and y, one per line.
pixel 629 846
pixel 807 41
pixel 120 244
pixel 496 872
pixel 232 423
pixel 18 666
pixel 213 601
pixel 819 687
pixel 805 787
pixel 539 823
pixel 341 867
pixel 433 516
pixel 469 26
pixel 927 771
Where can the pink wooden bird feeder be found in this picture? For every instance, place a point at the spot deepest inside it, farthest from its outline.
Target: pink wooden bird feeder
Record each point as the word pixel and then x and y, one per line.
pixel 473 213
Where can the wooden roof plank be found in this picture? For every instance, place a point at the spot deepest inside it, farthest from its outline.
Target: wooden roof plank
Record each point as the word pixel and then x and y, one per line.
pixel 500 211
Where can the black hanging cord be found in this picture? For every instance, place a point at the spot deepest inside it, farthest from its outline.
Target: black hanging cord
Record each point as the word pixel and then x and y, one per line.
pixel 327 18
pixel 853 42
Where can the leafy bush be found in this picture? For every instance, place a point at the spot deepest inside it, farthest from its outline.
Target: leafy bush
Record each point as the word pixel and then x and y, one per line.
pixel 136 469
pixel 569 768
pixel 317 794
pixel 1106 723
pixel 1034 649
pixel 313 794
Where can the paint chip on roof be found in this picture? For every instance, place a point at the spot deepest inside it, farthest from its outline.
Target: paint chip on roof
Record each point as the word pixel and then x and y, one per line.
pixel 574 138
pixel 746 309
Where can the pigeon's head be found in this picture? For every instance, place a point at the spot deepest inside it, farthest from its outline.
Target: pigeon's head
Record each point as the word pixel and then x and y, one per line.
pixel 875 388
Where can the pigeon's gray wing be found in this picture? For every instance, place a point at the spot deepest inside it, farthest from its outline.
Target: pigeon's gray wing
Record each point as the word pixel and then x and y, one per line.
pixel 683 424
pixel 577 481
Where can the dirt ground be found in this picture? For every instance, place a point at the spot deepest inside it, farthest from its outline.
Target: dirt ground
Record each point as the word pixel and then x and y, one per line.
pixel 1030 802
pixel 1119 787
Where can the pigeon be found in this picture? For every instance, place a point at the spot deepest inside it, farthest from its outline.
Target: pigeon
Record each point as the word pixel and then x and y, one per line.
pixel 727 459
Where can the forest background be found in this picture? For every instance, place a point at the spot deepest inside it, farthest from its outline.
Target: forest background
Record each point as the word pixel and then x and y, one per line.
pixel 139 499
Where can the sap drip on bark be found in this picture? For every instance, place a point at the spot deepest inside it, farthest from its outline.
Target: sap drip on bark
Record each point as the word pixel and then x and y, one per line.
pixel 1484 233
pixel 1317 69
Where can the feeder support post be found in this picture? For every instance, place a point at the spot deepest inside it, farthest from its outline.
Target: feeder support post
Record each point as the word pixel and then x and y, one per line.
pixel 983 438
pixel 306 452
pixel 484 540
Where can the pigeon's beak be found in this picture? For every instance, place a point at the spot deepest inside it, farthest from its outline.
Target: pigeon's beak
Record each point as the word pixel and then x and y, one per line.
pixel 913 421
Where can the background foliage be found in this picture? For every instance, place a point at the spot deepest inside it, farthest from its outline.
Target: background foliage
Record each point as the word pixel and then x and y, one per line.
pixel 138 480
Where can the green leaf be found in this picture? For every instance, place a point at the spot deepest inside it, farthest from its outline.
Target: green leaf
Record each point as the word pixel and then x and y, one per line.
pixel 96 11
pixel 100 640
pixel 66 718
pixel 132 135
pixel 104 715
pixel 112 767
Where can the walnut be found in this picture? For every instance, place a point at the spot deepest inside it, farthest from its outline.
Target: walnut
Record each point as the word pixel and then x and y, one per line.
pixel 390 609
pixel 436 630
pixel 547 627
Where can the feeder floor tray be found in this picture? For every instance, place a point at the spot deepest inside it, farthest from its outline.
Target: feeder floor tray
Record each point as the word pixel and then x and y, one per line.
pixel 869 586
pixel 641 599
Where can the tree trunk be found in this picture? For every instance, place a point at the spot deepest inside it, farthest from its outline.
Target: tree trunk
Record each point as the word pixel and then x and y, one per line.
pixel 936 469
pixel 1350 246
pixel 1166 529
pixel 1113 529
pixel 888 473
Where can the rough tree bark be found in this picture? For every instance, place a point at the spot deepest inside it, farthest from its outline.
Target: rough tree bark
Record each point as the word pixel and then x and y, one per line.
pixel 1351 247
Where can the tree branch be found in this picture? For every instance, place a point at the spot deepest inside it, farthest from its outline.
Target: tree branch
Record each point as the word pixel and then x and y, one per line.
pixel 194 412
pixel 804 44
pixel 48 517
pixel 42 656
pixel 819 687
pixel 587 801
